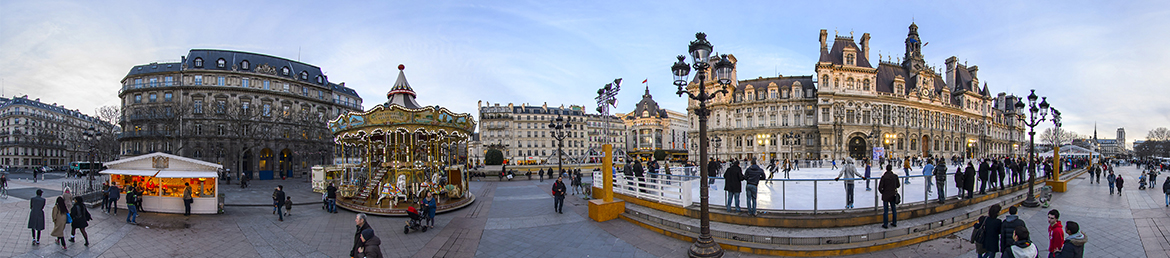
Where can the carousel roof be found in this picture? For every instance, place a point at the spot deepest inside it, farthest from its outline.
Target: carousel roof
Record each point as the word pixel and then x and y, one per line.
pixel 401 94
pixel 401 114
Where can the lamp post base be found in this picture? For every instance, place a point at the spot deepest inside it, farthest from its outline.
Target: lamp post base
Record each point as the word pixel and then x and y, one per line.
pixel 705 247
pixel 1031 202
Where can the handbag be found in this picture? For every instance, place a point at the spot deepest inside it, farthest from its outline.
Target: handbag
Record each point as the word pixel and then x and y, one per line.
pixel 897 198
pixel 68 218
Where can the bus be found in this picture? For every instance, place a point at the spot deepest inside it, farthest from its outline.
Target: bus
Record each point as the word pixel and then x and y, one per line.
pixel 80 167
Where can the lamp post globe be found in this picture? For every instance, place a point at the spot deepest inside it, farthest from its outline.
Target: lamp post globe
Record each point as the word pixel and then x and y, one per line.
pixel 1033 118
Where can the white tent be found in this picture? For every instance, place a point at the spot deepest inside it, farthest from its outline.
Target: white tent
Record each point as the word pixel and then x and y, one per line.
pixel 162 177
pixel 1072 151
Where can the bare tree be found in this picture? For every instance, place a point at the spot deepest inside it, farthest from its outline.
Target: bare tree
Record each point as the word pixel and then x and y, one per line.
pixel 1057 136
pixel 110 114
pixel 1158 134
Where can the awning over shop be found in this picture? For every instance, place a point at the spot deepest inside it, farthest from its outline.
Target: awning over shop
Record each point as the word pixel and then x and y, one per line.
pixel 186 174
pixel 129 172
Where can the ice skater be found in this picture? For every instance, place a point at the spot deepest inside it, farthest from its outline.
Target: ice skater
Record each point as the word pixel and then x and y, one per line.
pixel 849 173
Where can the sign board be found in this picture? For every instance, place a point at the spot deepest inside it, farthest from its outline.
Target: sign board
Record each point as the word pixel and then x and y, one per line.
pixel 878 153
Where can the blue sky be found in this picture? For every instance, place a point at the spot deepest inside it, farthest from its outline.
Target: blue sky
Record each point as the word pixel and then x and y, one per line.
pixel 1097 61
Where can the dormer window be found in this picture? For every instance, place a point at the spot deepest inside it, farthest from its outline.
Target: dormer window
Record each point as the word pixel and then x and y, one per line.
pixel 304 75
pixel 284 71
pixel 320 80
pixel 198 62
pixel 245 65
pixel 220 63
pixel 849 59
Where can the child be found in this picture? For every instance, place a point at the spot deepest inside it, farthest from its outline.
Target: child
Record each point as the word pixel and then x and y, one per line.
pixel 288 206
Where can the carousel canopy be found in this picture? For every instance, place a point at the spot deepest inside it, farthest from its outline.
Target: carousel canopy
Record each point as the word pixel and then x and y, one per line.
pixel 399 116
pixel 1071 150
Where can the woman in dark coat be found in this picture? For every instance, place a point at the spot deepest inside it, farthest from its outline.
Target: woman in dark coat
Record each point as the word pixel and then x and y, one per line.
pixel 80 219
pixel 990 239
pixel 36 216
pixel 969 180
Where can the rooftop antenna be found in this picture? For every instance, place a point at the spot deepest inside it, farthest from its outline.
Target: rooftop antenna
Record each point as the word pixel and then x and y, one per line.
pixel 298 54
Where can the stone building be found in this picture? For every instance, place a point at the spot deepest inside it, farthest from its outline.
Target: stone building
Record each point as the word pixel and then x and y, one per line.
pixel 35 134
pixel 651 128
pixel 855 103
pixel 257 115
pixel 522 132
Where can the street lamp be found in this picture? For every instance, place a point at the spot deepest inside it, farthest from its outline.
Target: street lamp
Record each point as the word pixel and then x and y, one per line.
pixel 718 142
pixel 1056 150
pixel 890 139
pixel 606 97
pixel 1037 115
pixel 874 134
pixel 91 135
pixel 700 51
pixel 557 128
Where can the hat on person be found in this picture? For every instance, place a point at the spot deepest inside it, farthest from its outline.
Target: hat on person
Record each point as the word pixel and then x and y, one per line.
pixel 368 234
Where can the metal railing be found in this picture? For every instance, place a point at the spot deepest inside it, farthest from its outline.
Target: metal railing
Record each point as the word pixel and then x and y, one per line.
pixel 83 186
pixel 661 188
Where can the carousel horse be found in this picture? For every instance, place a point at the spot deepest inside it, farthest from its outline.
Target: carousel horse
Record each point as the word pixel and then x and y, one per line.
pixel 387 192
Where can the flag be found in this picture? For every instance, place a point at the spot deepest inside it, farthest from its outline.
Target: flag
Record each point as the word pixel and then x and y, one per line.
pixel 644 81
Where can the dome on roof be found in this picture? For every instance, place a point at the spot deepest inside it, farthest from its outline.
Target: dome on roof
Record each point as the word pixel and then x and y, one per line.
pixel 648 107
pixel 401 94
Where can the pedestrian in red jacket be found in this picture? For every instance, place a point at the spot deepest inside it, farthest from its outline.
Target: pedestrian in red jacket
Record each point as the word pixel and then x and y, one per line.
pixel 1055 233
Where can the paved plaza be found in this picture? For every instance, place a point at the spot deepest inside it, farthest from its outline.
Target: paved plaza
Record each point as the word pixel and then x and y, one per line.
pixel 510 219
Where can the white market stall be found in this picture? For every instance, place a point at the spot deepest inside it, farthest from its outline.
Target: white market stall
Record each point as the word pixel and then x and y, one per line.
pixel 161 177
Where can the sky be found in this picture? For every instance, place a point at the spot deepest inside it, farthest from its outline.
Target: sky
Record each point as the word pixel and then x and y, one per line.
pixel 1099 62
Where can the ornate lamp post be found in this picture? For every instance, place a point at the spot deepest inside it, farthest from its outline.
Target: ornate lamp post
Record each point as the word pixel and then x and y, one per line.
pixel 557 128
pixel 92 135
pixel 788 137
pixel 700 51
pixel 718 142
pixel 1036 115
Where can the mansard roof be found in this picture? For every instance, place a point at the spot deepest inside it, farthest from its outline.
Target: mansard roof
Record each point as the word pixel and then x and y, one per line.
pixel 836 55
pixel 649 106
pixel 806 82
pixel 887 72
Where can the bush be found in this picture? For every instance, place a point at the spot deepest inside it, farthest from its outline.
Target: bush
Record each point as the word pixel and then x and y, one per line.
pixel 493 157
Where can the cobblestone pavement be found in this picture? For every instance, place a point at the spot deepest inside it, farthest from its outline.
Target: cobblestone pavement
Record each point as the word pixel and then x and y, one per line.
pixel 511 219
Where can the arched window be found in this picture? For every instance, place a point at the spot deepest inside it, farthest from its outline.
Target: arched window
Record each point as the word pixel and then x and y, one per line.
pixel 284 71
pixel 320 80
pixel 245 65
pixel 304 75
pixel 220 63
pixel 198 62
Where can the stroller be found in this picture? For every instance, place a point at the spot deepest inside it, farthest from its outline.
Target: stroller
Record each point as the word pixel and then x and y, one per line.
pixel 415 221
pixel 1142 182
pixel 1045 195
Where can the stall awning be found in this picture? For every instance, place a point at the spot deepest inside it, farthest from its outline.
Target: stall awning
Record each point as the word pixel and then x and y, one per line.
pixel 186 174
pixel 129 172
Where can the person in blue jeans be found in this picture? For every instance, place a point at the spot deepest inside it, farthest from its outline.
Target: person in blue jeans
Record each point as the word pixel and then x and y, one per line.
pixel 753 176
pixel 928 171
pixel 1166 190
pixel 131 200
pixel 732 184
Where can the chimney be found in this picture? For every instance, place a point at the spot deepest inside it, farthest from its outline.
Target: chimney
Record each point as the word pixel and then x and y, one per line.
pixel 824 36
pixel 865 45
pixel 952 62
pixel 974 70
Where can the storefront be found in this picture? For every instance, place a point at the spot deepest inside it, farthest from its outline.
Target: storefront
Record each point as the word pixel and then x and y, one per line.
pixel 162 177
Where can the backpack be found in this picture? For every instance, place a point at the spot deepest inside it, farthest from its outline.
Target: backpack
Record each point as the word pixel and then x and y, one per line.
pixel 977 235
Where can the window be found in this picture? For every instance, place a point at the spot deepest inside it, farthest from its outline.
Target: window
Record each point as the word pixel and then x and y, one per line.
pixel 138 98
pixel 266 87
pixel 219 130
pixel 320 79
pixel 220 106
pixel 197 107
pixel 245 65
pixel 286 87
pixel 199 80
pixel 220 81
pixel 284 71
pixel 220 63
pixel 137 83
pixel 304 90
pixel 825 114
pixel 198 129
pixel 244 106
pixel 304 75
pixel 153 82
pixel 267 110
pixel 198 62
pixel 244 82
pixel 153 97
pixel 167 96
pixel 320 94
pixel 849 59
pixel 169 81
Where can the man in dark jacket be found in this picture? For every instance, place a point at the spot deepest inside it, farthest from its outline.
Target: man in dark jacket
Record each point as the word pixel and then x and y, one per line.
pixel 712 170
pixel 115 194
pixel 984 170
pixel 639 174
pixel 278 199
pixel 731 184
pixel 371 244
pixel 940 179
pixel 1007 228
pixel 1074 243
pixel 362 225
pixel 331 197
pixel 969 180
pixel 1000 167
pixel 753 176
pixel 888 187
pixel 558 191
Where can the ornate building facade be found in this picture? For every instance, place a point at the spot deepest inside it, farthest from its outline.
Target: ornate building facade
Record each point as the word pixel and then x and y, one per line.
pixel 258 115
pixel 522 132
pixel 651 128
pixel 850 106
pixel 35 134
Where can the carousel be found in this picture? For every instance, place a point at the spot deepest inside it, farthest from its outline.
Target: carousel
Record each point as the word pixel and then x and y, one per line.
pixel 403 152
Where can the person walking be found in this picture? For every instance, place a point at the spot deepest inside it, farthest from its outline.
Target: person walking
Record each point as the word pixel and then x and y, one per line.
pixel 431 204
pixel 1120 183
pixel 990 224
pixel 36 216
pixel 753 176
pixel 927 172
pixel 849 173
pixel 187 199
pixel 712 170
pixel 541 174
pixel 1022 246
pixel 992 175
pixel 115 193
pixel 288 206
pixel 868 167
pixel 358 243
pixel 80 219
pixel 1001 168
pixel 1074 243
pixel 959 177
pixel 888 187
pixel 131 205
pixel 1055 233
pixel 906 167
pixel 1007 229
pixel 331 198
pixel 969 180
pixel 1112 179
pixel 732 184
pixel 1166 190
pixel 983 176
pixel 60 219
pixel 106 197
pixel 940 179
pixel 558 191
pixel 371 244
pixel 278 202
